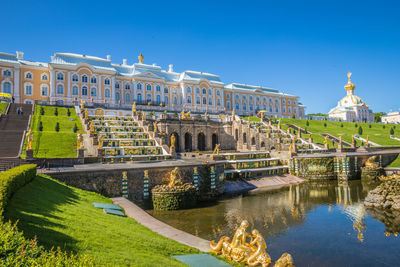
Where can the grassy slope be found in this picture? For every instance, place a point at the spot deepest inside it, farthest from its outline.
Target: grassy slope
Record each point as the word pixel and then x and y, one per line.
pixel 376 133
pixel 64 216
pixel 3 107
pixel 396 162
pixel 50 143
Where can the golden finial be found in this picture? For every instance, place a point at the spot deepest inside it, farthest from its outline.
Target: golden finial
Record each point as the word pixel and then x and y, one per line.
pixel 141 57
pixel 349 86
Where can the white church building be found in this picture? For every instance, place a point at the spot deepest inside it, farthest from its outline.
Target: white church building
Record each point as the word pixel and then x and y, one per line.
pixel 351 108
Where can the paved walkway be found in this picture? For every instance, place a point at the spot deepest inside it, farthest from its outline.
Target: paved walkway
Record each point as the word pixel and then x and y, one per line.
pixel 161 228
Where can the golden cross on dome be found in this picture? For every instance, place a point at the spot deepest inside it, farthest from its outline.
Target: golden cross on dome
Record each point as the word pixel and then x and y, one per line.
pixel 349 75
pixel 141 57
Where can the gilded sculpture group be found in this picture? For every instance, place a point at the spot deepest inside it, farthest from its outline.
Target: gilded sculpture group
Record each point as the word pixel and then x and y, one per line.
pixel 252 253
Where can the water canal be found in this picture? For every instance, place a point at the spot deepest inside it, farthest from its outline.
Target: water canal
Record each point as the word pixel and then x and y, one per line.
pixel 320 224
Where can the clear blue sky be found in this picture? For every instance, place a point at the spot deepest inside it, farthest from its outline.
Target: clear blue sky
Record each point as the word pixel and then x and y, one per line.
pixel 300 47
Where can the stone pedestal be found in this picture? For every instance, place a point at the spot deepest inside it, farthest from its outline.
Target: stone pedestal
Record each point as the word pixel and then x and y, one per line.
pixel 100 152
pixel 81 153
pixel 29 154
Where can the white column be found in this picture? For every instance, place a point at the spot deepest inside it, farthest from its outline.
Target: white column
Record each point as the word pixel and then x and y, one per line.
pixel 113 89
pixel 52 85
pixel 134 92
pixel 69 100
pixel 16 87
pixel 100 87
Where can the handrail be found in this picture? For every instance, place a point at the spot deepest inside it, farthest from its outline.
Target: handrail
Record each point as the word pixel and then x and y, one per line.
pixel 21 147
pixel 8 108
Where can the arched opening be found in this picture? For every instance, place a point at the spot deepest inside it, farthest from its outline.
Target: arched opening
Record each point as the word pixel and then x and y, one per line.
pixel 262 144
pixel 236 134
pixel 177 147
pixel 244 138
pixel 214 140
pixel 253 141
pixel 188 142
pixel 201 142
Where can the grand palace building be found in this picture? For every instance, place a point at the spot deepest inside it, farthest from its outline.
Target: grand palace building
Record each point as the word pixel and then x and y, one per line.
pixel 69 78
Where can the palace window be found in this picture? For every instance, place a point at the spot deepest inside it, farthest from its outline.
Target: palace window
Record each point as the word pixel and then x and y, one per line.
pixel 116 85
pixel 75 78
pixel 283 101
pixel 264 99
pixel 258 99
pixel 294 102
pixel 148 98
pixel 75 90
pixel 209 92
pixel 148 87
pixel 270 100
pixel 251 107
pixel 93 80
pixel 107 81
pixel 210 101
pixel 28 75
pixel 198 100
pixel 84 79
pixel 228 95
pixel 251 98
pixel 84 91
pixel 127 86
pixel 107 93
pixel 7 87
pixel 295 111
pixel 276 110
pixel 290 110
pixel 204 91
pixel 139 86
pixel 218 102
pixel 204 100
pixel 237 106
pixel 244 106
pixel 289 102
pixel 127 98
pixel 60 76
pixel 158 99
pixel 189 100
pixel 270 109
pixel 165 90
pixel 237 97
pixel 188 90
pixel 244 98
pixel 60 89
pixel 284 110
pixel 166 100
pixel 44 90
pixel 197 90
pixel 44 77
pixel 175 100
pixel 93 91
pixel 276 100
pixel 158 88
pixel 117 96
pixel 228 104
pixel 7 73
pixel 218 93
pixel 139 98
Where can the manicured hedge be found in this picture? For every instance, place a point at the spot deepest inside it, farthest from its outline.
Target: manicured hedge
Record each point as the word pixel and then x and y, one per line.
pixel 174 198
pixel 12 180
pixel 15 250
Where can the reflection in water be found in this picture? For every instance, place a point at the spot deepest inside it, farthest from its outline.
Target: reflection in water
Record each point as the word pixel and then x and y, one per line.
pixel 320 224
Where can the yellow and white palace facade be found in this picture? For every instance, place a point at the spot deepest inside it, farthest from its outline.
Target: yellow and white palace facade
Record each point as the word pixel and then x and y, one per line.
pixel 69 78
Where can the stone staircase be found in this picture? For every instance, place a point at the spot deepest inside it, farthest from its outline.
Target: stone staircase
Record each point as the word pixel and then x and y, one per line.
pixel 12 129
pixel 123 138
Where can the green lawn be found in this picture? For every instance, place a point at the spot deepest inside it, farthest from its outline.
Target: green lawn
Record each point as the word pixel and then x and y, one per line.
pixel 48 142
pixel 396 162
pixel 64 216
pixel 3 107
pixel 376 133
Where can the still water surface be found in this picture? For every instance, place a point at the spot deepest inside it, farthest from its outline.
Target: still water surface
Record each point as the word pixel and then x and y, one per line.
pixel 320 224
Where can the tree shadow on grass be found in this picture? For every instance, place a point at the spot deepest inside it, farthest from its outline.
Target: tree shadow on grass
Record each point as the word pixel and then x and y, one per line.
pixel 34 207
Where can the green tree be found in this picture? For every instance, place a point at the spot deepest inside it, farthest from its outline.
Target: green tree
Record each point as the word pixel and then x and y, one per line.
pixel 360 130
pixel 57 127
pixel 75 129
pixel 56 112
pixel 341 125
pixel 378 116
pixel 355 125
pixel 391 131
pixel 308 123
pixel 370 126
pixel 324 124
pixel 40 128
pixel 41 111
pixel 68 113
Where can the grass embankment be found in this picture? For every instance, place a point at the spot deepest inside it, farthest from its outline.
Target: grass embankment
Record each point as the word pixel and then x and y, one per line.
pixel 48 143
pixel 64 216
pixel 395 163
pixel 378 133
pixel 3 107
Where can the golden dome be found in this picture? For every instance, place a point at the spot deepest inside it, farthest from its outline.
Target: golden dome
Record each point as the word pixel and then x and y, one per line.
pixel 349 86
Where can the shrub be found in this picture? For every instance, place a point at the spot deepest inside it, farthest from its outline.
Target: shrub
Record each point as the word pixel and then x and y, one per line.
pixel 355 125
pixel 56 112
pixel 68 113
pixel 40 128
pixel 12 180
pixel 360 130
pixel 293 117
pixel 41 111
pixel 384 127
pixel 341 125
pixel 57 128
pixel 308 123
pixel 370 126
pixel 75 129
pixel 391 131
pixel 324 124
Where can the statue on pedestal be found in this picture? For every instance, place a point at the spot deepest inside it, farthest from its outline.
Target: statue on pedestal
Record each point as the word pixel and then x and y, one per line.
pixel 29 139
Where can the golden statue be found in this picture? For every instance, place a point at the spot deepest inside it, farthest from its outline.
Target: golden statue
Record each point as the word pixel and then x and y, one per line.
pixel 29 139
pixel 82 105
pixel 124 175
pixel 143 116
pixel 141 58
pixel 174 178
pixel 216 149
pixel 370 164
pixel 367 141
pixel 86 114
pixel 279 124
pixel 326 139
pixel 352 139
pixel 173 141
pixel 101 138
pixel 340 140
pixel 252 253
pixel 233 113
pixel 155 127
pixel 133 108
pixel 80 141
pixel 185 116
